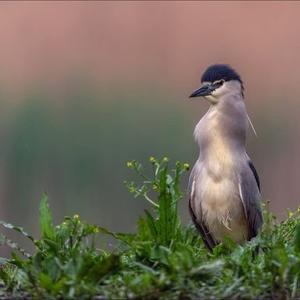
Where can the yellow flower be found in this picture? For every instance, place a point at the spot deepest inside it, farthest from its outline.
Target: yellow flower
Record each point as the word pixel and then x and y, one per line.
pixel 186 166
pixel 151 159
pixel 132 189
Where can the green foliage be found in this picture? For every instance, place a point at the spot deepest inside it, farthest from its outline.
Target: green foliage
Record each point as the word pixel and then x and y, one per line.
pixel 47 228
pixel 65 263
pixel 163 259
pixel 162 225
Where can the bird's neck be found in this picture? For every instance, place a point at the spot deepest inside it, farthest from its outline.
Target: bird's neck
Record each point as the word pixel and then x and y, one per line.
pixel 221 133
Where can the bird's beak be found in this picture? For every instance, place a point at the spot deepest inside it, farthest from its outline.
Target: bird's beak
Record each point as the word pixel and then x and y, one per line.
pixel 205 90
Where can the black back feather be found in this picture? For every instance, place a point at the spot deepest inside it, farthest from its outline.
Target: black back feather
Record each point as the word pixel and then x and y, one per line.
pixel 254 173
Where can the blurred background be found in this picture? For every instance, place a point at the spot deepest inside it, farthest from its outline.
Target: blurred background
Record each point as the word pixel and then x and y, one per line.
pixel 87 86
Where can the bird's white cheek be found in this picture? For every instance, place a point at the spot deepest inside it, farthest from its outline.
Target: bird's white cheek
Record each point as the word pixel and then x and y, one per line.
pixel 220 91
pixel 212 98
pixel 216 95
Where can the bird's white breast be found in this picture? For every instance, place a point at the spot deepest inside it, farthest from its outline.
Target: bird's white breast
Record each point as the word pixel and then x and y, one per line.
pixel 217 198
pixel 221 135
pixel 221 207
pixel 214 149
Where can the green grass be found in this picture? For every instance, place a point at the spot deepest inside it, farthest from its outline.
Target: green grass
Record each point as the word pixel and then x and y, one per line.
pixel 163 259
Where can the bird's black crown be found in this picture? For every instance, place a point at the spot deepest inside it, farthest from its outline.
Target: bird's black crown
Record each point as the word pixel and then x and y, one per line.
pixel 218 72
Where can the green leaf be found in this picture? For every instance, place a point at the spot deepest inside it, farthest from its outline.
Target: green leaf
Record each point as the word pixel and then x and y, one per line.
pixel 102 267
pixel 297 238
pixel 208 269
pixel 163 210
pixel 47 228
pixel 45 281
pixel 151 224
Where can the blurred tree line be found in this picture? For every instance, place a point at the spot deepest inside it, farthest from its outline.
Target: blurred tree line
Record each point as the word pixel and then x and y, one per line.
pixel 74 145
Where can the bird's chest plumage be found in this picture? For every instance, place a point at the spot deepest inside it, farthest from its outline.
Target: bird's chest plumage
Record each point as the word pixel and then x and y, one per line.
pixel 214 149
pixel 217 198
pixel 219 204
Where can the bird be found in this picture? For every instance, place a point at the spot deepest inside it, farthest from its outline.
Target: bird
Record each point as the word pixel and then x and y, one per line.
pixel 224 186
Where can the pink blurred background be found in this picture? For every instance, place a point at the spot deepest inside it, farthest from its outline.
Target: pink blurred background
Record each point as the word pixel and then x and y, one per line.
pixel 155 53
pixel 168 41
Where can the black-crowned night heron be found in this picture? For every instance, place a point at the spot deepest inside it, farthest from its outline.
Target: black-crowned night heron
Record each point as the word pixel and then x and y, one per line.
pixel 224 188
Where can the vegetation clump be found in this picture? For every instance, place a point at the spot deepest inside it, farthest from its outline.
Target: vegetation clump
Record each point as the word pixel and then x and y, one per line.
pixel 164 259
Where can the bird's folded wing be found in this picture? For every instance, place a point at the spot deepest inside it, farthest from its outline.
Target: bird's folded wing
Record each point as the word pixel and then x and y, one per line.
pixel 249 189
pixel 201 227
pixel 199 224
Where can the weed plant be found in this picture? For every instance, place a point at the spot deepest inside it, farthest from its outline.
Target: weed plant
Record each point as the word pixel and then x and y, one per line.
pixel 162 260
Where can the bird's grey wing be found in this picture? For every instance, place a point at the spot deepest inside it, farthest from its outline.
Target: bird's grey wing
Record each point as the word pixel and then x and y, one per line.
pixel 249 189
pixel 199 224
